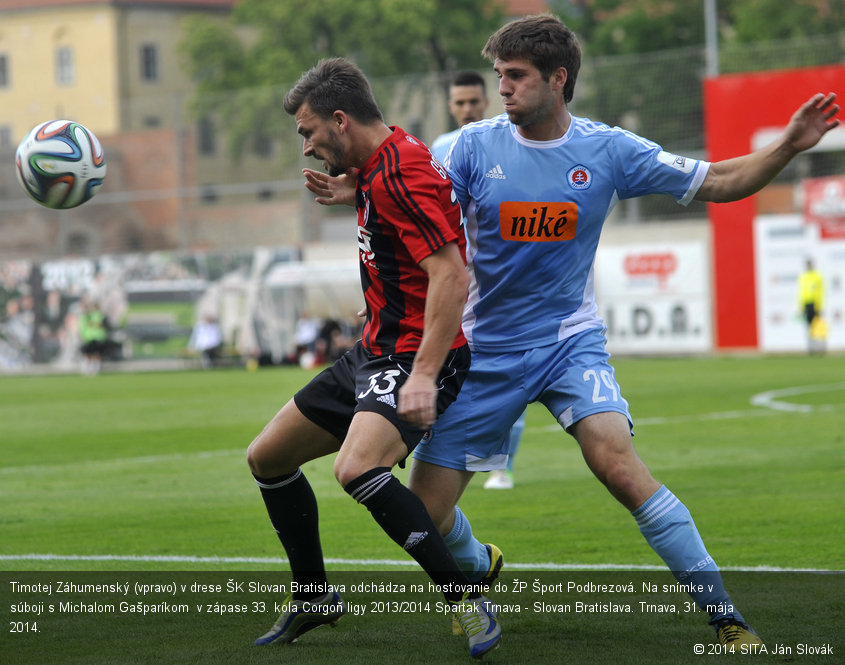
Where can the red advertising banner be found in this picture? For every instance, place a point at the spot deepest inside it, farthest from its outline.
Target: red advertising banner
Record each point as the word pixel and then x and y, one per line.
pixel 737 107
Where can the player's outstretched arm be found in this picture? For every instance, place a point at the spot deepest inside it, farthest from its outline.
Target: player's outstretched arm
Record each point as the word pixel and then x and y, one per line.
pixel 734 179
pixel 339 190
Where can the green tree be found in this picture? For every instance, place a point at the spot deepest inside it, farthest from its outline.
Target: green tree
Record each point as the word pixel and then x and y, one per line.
pixel 632 90
pixel 760 20
pixel 766 34
pixel 267 44
pixel 610 27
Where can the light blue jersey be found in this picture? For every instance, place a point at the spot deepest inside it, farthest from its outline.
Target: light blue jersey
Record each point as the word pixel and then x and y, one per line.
pixel 535 211
pixel 440 146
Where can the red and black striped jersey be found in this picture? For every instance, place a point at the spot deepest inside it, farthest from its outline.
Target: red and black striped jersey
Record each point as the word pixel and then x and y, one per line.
pixel 406 211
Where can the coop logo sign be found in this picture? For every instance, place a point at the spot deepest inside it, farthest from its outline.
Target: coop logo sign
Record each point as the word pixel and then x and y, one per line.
pixel 525 221
pixel 657 264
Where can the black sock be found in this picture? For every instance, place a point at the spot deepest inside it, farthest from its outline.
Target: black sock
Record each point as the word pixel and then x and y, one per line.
pixel 292 508
pixel 404 518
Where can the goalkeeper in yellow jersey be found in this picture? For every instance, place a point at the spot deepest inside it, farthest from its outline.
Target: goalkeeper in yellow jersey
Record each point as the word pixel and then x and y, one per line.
pixel 811 303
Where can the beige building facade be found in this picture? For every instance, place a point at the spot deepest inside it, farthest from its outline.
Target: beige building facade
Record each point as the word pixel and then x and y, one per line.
pixel 113 65
pixel 116 67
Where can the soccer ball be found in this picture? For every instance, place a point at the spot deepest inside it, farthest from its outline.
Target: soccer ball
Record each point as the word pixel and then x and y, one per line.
pixel 60 164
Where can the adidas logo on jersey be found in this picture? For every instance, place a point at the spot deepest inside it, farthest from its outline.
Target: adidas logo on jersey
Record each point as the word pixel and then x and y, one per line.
pixel 415 538
pixel 387 399
pixel 496 173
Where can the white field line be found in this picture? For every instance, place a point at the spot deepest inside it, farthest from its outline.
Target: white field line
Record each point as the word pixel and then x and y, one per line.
pixel 769 399
pixel 768 402
pixel 392 563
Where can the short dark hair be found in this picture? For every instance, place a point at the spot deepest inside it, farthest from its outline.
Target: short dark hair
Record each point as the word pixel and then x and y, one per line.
pixel 469 78
pixel 545 41
pixel 333 85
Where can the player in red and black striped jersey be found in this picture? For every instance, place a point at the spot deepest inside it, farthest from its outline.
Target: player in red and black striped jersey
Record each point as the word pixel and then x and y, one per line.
pixel 406 211
pixel 375 403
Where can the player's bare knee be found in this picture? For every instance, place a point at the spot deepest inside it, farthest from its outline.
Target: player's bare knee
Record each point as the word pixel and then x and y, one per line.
pixel 257 461
pixel 264 462
pixel 348 468
pixel 253 458
pixel 342 474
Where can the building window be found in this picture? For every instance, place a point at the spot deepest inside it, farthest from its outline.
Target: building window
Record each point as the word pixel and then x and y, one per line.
pixel 149 62
pixel 206 137
pixel 263 145
pixel 4 70
pixel 64 65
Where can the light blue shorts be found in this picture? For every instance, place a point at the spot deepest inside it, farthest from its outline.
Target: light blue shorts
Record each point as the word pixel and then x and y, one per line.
pixel 573 379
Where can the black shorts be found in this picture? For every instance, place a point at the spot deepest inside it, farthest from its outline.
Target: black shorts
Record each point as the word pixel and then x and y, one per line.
pixel 94 347
pixel 810 312
pixel 358 381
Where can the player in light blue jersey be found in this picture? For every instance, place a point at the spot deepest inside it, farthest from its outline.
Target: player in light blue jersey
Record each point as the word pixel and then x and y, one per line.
pixel 468 103
pixel 536 185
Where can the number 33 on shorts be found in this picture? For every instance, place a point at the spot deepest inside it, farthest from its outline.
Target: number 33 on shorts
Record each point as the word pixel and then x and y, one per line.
pixel 381 383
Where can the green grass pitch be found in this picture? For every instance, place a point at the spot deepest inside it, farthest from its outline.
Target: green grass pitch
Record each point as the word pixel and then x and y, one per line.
pixel 141 478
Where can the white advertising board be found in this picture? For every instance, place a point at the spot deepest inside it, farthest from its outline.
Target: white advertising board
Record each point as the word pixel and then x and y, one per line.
pixel 782 245
pixel 655 298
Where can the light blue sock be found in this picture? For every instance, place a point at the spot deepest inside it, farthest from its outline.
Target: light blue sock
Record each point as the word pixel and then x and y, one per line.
pixel 515 439
pixel 471 555
pixel 668 527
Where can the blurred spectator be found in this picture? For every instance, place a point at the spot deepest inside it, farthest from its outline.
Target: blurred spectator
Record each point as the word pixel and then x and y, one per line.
pixel 307 335
pixel 19 321
pixel 307 331
pixel 93 335
pixel 335 339
pixel 16 328
pixel 207 340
